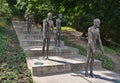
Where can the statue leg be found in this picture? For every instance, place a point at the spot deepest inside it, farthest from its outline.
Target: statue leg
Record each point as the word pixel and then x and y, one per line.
pixel 55 39
pixel 91 65
pixel 92 61
pixel 43 48
pixel 48 42
pixel 59 39
pixel 89 52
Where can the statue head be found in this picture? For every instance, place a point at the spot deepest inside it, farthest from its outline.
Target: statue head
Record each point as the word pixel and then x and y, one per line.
pixel 96 22
pixel 60 16
pixel 49 15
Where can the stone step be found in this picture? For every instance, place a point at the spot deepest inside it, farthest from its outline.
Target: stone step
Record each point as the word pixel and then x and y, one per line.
pixel 58 64
pixel 20 26
pixel 63 50
pixel 28 42
pixel 24 28
pixel 25 33
pixel 30 37
pixel 18 22
pixel 32 32
pixel 101 76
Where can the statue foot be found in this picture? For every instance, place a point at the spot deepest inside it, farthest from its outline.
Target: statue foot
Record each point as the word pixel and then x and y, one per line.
pixel 92 75
pixel 86 74
pixel 46 58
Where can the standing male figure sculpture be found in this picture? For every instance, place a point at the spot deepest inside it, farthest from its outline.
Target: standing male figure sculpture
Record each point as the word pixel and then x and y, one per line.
pixel 58 31
pixel 29 22
pixel 48 27
pixel 93 35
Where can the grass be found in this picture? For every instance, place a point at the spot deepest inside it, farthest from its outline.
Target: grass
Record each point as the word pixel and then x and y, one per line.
pixel 13 67
pixel 115 48
pixel 66 28
pixel 2 22
pixel 109 50
pixel 106 61
pixel 3 39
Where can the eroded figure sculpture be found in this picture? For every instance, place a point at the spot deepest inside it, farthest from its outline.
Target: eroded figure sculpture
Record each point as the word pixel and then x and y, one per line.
pixel 58 31
pixel 93 36
pixel 29 22
pixel 48 30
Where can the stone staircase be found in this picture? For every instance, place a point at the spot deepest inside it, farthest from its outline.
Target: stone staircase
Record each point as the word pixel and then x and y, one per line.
pixel 61 60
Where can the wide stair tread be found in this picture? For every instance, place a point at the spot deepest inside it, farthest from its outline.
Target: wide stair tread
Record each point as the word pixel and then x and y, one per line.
pixel 58 64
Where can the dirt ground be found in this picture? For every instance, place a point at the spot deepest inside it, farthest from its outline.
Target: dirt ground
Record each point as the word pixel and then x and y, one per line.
pixel 76 37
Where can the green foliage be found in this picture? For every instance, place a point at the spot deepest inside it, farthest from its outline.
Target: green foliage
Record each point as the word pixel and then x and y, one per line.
pixel 117 49
pixel 83 12
pixel 109 50
pixel 11 2
pixel 40 8
pixel 5 11
pixel 3 39
pixel 77 13
pixel 13 67
pixel 106 61
pixel 84 22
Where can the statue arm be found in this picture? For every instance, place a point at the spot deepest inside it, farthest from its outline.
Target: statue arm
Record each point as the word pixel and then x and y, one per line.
pixel 44 26
pixel 100 42
pixel 52 27
pixel 89 36
pixel 57 23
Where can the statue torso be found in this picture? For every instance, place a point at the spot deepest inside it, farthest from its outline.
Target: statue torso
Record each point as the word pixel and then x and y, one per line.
pixel 94 35
pixel 58 25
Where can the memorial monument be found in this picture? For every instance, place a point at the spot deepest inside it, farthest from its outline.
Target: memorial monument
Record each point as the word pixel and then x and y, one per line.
pixel 48 30
pixel 58 31
pixel 93 36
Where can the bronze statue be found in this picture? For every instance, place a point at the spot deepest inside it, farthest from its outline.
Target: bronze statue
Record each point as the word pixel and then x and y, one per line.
pixel 48 29
pixel 29 22
pixel 93 35
pixel 58 31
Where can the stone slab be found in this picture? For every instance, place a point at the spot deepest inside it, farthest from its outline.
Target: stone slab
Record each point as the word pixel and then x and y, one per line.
pixel 101 76
pixel 63 50
pixel 57 64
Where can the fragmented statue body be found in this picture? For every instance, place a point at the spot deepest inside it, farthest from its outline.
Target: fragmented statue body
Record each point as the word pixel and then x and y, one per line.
pixel 48 26
pixel 29 22
pixel 58 31
pixel 93 36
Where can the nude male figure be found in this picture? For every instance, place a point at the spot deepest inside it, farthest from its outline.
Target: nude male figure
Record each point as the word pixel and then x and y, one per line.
pixel 29 22
pixel 93 36
pixel 58 31
pixel 48 30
